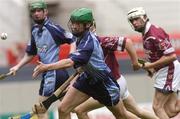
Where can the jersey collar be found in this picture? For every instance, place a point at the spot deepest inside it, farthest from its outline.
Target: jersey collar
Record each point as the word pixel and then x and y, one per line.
pixel 148 25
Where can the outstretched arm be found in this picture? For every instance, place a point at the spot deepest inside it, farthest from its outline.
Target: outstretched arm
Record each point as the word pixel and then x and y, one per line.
pixel 121 43
pixel 65 63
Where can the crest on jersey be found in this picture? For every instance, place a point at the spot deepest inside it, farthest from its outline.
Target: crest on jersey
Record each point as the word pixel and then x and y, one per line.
pixel 163 44
pixel 43 49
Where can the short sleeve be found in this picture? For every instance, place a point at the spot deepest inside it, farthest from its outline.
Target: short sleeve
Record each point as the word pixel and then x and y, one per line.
pixel 31 47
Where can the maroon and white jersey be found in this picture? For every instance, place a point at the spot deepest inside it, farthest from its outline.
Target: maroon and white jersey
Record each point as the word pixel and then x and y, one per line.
pixel 156 43
pixel 109 45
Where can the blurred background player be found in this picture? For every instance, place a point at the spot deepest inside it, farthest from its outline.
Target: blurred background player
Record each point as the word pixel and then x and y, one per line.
pixel 96 81
pixel 162 58
pixel 45 40
pixel 109 45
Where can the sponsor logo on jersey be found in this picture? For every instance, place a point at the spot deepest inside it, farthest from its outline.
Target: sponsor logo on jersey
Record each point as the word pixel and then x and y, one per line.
pixel 43 49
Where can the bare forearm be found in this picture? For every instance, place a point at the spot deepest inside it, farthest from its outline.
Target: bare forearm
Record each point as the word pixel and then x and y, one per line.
pixel 26 59
pixel 131 51
pixel 164 60
pixel 65 63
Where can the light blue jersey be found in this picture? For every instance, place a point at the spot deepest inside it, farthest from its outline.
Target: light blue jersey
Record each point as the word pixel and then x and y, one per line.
pixel 97 80
pixel 45 42
pixel 89 54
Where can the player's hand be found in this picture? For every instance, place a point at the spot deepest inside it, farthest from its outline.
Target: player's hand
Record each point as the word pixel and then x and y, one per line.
pixel 151 72
pixel 13 70
pixel 136 66
pixel 39 108
pixel 145 66
pixel 39 69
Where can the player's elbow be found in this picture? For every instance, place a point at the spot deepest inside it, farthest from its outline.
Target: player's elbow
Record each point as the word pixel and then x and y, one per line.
pixel 174 57
pixel 129 44
pixel 129 41
pixel 80 113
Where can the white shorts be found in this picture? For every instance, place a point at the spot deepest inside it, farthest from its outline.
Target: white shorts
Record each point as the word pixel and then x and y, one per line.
pixel 124 93
pixel 168 78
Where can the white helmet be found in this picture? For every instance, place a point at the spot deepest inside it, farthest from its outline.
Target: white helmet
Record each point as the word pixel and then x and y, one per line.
pixel 136 12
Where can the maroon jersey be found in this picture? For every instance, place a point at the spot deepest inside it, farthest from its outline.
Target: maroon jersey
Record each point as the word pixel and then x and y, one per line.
pixel 109 45
pixel 156 43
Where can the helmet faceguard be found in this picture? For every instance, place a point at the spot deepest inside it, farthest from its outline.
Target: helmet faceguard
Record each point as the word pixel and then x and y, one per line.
pixel 137 12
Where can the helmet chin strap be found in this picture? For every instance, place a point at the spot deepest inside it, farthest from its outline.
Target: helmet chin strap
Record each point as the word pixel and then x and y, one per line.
pixel 141 30
pixel 77 34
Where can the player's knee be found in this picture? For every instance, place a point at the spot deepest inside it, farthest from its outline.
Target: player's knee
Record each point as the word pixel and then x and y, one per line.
pixel 154 107
pixel 79 112
pixel 138 112
pixel 42 116
pixel 172 110
pixel 63 110
pixel 157 108
pixel 178 105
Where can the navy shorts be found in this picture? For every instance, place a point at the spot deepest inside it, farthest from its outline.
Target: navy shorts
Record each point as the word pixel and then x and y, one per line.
pixel 51 81
pixel 106 90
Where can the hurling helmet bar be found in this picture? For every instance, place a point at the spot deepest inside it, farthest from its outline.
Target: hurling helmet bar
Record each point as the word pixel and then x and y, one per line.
pixel 136 12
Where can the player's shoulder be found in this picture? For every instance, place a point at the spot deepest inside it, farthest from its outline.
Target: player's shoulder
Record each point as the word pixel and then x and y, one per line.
pixel 158 32
pixel 91 36
pixel 153 32
pixel 89 39
pixel 51 24
pixel 34 26
pixel 154 29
